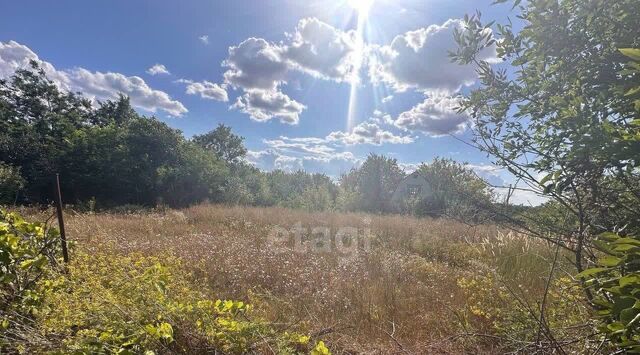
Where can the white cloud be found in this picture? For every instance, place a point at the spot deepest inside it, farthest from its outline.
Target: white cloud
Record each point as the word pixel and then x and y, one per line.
pixel 382 118
pixel 526 197
pixel 314 47
pixel 435 116
pixel 368 133
pixel 94 85
pixel 307 153
pixel 204 39
pixel 158 69
pixel 14 56
pixel 387 99
pixel 322 50
pixel 490 173
pixel 321 154
pixel 419 60
pixel 255 64
pixel 409 167
pixel 260 68
pixel 270 159
pixel 309 149
pixel 206 90
pixel 263 105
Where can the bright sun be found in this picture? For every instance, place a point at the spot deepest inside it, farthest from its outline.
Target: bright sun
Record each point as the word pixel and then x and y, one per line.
pixel 360 5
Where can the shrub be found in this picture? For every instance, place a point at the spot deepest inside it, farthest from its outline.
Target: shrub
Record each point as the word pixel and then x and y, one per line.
pixel 615 280
pixel 108 303
pixel 312 198
pixel 26 252
pixel 11 182
pixel 511 311
pixel 134 303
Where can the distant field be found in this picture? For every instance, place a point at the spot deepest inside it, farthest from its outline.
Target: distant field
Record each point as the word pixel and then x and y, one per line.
pixel 413 286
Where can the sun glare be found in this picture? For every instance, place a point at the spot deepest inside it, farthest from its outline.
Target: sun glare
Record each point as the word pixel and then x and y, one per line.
pixel 361 6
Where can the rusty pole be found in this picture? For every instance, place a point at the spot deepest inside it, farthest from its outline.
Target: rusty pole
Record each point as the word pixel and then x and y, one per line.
pixel 63 237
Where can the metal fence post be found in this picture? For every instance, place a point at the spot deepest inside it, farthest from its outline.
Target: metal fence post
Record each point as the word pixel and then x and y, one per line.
pixel 63 237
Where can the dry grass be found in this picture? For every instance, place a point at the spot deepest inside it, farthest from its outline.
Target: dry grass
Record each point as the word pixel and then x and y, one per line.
pixel 401 295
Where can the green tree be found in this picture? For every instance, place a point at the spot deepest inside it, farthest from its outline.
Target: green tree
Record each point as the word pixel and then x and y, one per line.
pixel 118 112
pixel 247 185
pixel 553 113
pixel 374 182
pixel 223 144
pixel 562 114
pixel 110 153
pixel 11 182
pixel 36 119
pixel 457 190
pixel 296 189
pixel 195 177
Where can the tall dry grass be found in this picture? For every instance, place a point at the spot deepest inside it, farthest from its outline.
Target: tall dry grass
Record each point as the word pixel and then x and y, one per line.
pixel 401 295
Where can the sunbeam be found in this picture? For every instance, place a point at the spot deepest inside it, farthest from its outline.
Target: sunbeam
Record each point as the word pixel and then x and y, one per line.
pixel 362 7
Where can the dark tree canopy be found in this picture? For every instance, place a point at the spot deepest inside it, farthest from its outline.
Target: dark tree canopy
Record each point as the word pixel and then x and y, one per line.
pixel 222 143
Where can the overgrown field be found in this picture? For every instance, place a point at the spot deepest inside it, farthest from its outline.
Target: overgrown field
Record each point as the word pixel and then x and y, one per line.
pixel 410 286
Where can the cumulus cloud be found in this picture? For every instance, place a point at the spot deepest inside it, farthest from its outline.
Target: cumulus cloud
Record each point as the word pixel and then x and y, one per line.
pixel 94 85
pixel 263 105
pixel 409 167
pixel 368 133
pixel 158 69
pixel 490 173
pixel 435 116
pixel 387 99
pixel 270 159
pixel 382 118
pixel 260 68
pixel 314 47
pixel 204 39
pixel 419 60
pixel 309 149
pixel 206 90
pixel 322 154
pixel 307 153
pixel 255 64
pixel 322 50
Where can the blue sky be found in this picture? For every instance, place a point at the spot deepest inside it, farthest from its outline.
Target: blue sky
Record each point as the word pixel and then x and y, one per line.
pixel 310 84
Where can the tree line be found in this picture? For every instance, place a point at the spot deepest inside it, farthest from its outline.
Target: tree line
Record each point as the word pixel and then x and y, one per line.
pixel 109 155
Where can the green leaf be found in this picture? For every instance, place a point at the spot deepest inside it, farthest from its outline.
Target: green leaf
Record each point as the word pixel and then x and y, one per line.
pixel 616 326
pixel 591 271
pixel 625 247
pixel 628 314
pixel 628 240
pixel 609 260
pixel 629 279
pixel 609 236
pixel 633 53
pixel 603 246
pixel 623 302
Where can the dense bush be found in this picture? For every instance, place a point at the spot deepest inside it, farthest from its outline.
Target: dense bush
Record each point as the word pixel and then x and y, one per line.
pixel 615 282
pixel 125 304
pixel 370 186
pixel 28 260
pixel 11 182
pixel 457 190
